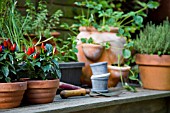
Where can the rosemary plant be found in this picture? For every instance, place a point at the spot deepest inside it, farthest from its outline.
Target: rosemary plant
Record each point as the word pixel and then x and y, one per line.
pixel 154 39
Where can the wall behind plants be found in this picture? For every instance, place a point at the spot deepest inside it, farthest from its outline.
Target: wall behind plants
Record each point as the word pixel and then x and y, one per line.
pixel 67 6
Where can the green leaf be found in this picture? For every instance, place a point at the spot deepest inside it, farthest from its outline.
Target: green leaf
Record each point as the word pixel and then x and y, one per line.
pixel 133 78
pixel 46 68
pixel 5 71
pixel 152 4
pixel 49 49
pixel 38 64
pixel 138 20
pixel 19 56
pixel 83 40
pixel 90 40
pixel 75 50
pixel 121 31
pixel 126 53
pixel 7 79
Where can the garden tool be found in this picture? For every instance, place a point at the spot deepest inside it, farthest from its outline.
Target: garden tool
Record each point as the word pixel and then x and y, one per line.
pixel 82 92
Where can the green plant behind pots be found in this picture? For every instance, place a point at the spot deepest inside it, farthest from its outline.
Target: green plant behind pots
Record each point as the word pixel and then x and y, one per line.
pixel 66 52
pixel 154 39
pixel 13 27
pixel 3 10
pixel 101 14
pixel 39 22
pixel 43 64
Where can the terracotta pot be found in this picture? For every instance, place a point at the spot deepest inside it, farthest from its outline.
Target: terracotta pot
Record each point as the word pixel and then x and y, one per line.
pixel 41 91
pixel 108 55
pixel 115 73
pixel 154 71
pixel 92 51
pixel 11 94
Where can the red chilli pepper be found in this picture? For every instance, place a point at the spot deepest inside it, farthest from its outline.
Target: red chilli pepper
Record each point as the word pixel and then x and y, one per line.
pixel 33 49
pixel 0 48
pixel 36 56
pixel 9 43
pixel 42 46
pixel 29 52
pixel 5 43
pixel 13 47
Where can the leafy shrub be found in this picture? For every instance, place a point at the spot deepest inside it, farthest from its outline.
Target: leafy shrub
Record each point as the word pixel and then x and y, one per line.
pixel 154 39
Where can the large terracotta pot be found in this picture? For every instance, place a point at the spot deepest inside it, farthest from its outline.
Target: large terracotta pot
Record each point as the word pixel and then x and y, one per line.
pixel 107 55
pixel 154 71
pixel 11 94
pixel 41 91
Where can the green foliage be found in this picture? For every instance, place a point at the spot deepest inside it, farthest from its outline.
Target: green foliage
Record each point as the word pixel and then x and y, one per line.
pixel 42 64
pixel 12 26
pixel 154 39
pixel 103 14
pixel 39 22
pixel 3 10
pixel 67 52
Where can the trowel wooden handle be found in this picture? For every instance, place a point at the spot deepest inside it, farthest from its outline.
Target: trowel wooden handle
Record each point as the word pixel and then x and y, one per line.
pixel 70 93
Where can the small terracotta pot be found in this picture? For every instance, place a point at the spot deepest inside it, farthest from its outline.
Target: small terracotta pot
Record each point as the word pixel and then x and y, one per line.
pixel 11 94
pixel 92 51
pixel 116 72
pixel 41 91
pixel 154 71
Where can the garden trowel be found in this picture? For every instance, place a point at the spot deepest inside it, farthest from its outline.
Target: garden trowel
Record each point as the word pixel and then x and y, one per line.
pixel 82 92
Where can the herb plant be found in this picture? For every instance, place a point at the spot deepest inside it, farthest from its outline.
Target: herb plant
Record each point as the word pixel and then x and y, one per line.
pixel 42 65
pixel 154 39
pixel 39 22
pixel 13 27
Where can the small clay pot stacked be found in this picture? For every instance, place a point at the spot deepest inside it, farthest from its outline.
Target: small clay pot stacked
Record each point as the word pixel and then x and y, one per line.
pixel 100 77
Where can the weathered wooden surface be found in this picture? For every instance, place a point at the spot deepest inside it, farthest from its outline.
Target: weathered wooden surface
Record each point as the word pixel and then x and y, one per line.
pixel 144 101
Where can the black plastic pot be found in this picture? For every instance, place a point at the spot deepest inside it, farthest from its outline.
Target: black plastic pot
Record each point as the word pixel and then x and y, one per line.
pixel 71 72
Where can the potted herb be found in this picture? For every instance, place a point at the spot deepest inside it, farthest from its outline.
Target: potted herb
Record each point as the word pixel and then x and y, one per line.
pixel 43 70
pixel 153 58
pixel 40 26
pixel 12 90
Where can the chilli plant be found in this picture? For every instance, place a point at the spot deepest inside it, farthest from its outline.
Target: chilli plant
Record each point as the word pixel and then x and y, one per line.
pixel 43 64
pixel 39 21
pixel 9 63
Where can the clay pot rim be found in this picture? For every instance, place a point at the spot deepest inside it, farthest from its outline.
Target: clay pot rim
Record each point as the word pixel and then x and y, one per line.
pixel 146 59
pixel 93 29
pixel 13 86
pixel 122 68
pixel 43 83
